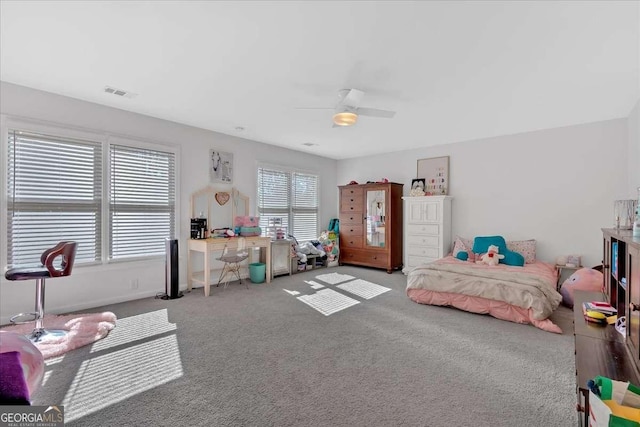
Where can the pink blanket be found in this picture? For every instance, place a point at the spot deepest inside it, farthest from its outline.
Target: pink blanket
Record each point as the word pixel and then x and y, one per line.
pixel 518 294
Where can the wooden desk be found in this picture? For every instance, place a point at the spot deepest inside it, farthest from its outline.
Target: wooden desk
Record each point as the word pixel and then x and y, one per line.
pixel 206 246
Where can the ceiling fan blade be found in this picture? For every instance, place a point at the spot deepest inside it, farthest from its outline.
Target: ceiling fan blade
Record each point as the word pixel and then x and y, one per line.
pixel 353 98
pixel 313 108
pixel 374 112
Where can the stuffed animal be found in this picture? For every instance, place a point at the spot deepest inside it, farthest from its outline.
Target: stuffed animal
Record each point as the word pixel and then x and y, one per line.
pixel 585 279
pixel 492 257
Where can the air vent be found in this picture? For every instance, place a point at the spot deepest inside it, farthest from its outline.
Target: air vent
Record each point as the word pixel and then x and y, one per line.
pixel 119 92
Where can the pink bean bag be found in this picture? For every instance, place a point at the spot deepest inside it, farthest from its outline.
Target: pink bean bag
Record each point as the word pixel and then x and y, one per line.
pixel 585 279
pixel 31 359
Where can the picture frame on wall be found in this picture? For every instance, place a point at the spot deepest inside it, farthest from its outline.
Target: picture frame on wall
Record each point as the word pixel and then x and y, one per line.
pixel 435 172
pixel 220 167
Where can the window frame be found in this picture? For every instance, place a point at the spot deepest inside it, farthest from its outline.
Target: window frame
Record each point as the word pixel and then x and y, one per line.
pixel 8 123
pixel 290 171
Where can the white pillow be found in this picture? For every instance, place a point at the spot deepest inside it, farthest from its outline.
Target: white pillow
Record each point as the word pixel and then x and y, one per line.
pixel 527 248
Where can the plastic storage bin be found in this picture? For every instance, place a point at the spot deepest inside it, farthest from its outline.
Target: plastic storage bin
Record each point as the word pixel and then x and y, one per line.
pixel 257 272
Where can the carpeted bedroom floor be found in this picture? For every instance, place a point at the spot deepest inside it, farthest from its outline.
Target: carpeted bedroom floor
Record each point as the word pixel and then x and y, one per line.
pixel 266 356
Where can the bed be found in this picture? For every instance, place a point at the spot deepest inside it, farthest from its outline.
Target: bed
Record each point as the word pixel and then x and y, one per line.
pixel 518 294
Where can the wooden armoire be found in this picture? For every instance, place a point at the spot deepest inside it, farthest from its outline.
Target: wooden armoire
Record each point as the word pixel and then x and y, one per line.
pixel 371 225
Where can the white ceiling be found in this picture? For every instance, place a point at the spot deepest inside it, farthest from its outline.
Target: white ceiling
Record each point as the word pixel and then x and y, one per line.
pixel 453 71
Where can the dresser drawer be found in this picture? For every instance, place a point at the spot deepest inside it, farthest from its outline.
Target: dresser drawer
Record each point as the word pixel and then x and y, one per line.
pixel 347 206
pixel 352 199
pixel 423 251
pixel 350 230
pixel 423 240
pixel 348 240
pixel 364 257
pixel 432 229
pixel 351 218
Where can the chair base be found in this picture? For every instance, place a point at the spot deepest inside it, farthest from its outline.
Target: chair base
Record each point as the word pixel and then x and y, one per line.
pixel 230 269
pixel 18 318
pixel 41 335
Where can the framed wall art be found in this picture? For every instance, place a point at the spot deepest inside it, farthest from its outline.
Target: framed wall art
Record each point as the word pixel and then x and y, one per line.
pixel 435 171
pixel 220 167
pixel 417 184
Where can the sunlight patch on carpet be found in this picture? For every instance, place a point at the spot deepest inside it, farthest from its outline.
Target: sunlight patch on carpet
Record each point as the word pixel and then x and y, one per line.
pixel 364 289
pixel 105 380
pixel 334 278
pixel 314 284
pixel 291 292
pixel 134 328
pixel 328 301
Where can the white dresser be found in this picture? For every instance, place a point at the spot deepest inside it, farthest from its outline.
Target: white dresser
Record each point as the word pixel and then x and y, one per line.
pixel 427 229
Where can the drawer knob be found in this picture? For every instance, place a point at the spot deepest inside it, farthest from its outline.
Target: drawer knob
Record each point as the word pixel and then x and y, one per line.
pixel 352 200
pixel 351 208
pixel 634 307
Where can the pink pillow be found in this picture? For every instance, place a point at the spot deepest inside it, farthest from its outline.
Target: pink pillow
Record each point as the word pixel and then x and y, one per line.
pixel 462 245
pixel 526 248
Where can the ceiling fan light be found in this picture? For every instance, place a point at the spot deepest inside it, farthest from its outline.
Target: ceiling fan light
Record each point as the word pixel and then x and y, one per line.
pixel 345 118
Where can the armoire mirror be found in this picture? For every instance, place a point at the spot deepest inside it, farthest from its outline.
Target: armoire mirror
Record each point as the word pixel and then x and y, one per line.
pixel 219 206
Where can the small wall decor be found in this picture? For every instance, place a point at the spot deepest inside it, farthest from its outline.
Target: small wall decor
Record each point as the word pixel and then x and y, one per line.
pixel 220 167
pixel 417 187
pixel 222 197
pixel 436 174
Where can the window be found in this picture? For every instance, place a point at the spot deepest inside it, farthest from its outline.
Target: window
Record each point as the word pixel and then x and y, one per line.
pixel 142 201
pixel 61 188
pixel 291 196
pixel 54 193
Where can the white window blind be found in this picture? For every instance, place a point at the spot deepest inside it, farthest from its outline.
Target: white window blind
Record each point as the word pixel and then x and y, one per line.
pixel 54 193
pixel 292 196
pixel 142 201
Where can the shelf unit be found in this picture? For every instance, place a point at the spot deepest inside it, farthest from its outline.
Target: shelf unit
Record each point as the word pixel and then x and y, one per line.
pixel 600 349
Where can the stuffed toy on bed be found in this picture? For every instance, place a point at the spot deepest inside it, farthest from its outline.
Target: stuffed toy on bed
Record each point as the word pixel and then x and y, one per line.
pixel 585 279
pixel 492 257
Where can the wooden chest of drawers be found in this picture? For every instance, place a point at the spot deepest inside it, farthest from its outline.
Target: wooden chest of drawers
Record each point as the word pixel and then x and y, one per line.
pixel 371 225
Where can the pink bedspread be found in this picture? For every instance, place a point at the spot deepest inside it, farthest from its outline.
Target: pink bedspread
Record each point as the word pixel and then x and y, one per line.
pixel 517 294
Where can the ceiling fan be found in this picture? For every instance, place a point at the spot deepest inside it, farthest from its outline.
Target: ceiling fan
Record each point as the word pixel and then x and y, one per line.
pixel 348 109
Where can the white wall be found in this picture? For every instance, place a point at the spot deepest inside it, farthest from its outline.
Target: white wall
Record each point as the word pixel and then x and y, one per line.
pixel 634 151
pixel 93 286
pixel 556 186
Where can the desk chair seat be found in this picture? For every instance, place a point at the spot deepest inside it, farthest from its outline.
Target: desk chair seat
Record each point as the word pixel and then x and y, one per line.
pixel 66 251
pixel 232 257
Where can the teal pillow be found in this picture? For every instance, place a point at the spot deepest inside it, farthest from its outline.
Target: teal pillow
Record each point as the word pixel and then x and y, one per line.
pixel 481 246
pixel 462 256
pixel 513 258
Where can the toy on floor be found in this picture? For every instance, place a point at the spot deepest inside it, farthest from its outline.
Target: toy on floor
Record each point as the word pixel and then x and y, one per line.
pixel 492 257
pixel 585 279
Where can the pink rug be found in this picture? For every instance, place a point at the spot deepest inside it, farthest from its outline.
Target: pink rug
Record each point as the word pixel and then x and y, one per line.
pixel 83 329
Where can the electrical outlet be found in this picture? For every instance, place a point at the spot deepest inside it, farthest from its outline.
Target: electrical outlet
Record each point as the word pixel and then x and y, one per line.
pixel 133 283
